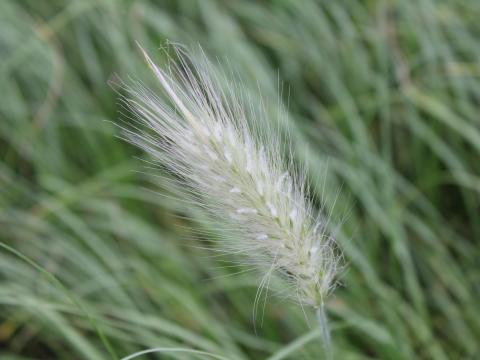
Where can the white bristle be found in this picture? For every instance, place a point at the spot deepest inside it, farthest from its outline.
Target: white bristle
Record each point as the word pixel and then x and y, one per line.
pixel 210 153
pixel 293 215
pixel 228 156
pixel 206 140
pixel 246 211
pixel 260 187
pixel 272 208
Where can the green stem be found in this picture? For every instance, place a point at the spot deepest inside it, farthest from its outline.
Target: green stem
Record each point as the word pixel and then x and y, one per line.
pixel 324 332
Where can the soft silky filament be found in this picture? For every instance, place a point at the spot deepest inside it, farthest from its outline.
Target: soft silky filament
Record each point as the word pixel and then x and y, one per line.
pixel 203 134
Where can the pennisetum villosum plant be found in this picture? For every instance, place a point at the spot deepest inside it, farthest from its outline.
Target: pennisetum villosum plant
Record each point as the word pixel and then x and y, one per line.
pixel 206 137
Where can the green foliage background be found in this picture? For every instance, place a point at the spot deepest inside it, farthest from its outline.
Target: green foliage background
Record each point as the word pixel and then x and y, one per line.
pixel 387 91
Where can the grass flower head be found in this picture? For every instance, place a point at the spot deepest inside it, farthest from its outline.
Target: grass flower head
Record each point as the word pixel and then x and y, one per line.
pixel 208 139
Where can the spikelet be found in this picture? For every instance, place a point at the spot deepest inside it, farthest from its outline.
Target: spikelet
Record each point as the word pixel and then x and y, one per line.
pixel 203 136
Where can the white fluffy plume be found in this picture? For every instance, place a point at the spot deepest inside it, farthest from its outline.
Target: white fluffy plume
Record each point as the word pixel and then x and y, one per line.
pixel 203 135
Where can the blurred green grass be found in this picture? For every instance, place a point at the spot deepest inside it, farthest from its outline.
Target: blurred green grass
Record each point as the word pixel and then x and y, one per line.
pixel 386 92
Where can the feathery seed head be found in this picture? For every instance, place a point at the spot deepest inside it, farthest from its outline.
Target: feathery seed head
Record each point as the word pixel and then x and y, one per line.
pixel 203 135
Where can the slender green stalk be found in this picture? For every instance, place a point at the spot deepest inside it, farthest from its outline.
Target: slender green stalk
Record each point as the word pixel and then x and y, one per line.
pixel 173 350
pixel 324 332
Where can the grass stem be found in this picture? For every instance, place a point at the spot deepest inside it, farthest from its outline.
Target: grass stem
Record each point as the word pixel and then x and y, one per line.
pixel 324 332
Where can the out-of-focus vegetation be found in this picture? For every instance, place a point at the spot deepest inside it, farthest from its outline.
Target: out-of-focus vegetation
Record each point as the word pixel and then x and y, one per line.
pixel 387 91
